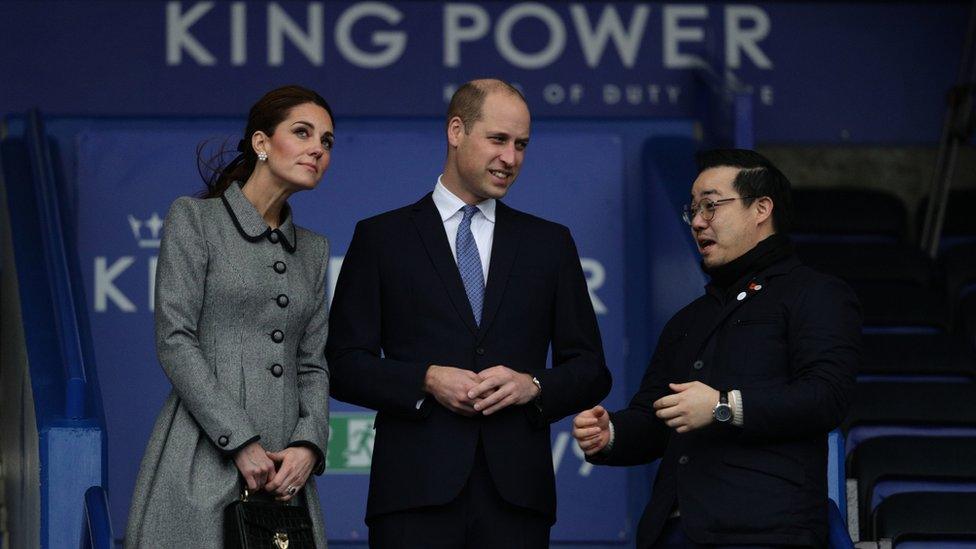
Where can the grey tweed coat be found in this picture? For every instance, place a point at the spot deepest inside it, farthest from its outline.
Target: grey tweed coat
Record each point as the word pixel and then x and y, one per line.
pixel 241 325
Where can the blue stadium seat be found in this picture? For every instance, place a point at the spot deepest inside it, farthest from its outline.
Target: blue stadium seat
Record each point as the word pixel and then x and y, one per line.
pixel 885 466
pixel 910 409
pixel 936 519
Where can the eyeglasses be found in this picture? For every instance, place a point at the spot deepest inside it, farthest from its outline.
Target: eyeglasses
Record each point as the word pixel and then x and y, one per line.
pixel 706 208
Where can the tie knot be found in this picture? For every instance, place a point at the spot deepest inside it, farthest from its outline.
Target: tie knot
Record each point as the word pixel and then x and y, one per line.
pixel 469 210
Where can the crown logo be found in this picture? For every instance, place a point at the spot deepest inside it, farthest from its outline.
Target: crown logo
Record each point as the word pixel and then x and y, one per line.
pixel 154 224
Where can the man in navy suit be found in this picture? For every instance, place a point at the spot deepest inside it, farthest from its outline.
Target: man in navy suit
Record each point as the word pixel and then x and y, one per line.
pixel 746 381
pixel 442 319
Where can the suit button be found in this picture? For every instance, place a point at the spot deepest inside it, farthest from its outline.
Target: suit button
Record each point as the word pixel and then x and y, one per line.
pixel 223 441
pixel 282 300
pixel 277 336
pixel 683 460
pixel 698 365
pixel 273 237
pixel 277 370
pixel 280 267
pixel 480 350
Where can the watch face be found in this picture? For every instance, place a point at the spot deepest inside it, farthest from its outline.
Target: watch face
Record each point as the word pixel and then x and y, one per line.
pixel 723 413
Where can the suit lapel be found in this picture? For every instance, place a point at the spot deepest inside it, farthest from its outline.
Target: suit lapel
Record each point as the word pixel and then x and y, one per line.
pixel 428 222
pixel 504 248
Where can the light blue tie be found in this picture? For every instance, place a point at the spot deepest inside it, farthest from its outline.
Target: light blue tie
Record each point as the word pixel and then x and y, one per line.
pixel 469 263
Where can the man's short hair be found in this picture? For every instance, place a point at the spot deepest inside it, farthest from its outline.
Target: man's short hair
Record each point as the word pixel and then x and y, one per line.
pixel 757 177
pixel 467 101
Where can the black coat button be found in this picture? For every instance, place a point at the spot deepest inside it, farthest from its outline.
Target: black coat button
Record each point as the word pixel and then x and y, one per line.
pixel 273 237
pixel 280 267
pixel 282 300
pixel 223 441
pixel 698 365
pixel 277 370
pixel 683 460
pixel 480 350
pixel 277 336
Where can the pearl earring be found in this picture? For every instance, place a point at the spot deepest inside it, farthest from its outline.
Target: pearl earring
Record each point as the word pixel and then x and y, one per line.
pixel 263 156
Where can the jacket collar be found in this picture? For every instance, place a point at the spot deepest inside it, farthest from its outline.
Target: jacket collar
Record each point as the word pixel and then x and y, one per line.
pixel 251 225
pixel 781 267
pixel 740 292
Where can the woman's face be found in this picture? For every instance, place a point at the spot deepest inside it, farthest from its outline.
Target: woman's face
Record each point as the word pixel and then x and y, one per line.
pixel 300 148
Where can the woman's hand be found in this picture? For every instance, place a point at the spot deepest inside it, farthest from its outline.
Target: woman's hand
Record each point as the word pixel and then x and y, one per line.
pixel 294 465
pixel 255 466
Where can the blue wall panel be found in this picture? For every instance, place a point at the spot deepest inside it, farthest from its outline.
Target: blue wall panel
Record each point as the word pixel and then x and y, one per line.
pixel 583 175
pixel 818 71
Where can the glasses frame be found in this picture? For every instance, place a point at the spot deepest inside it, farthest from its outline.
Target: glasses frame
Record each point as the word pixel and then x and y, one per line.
pixel 707 212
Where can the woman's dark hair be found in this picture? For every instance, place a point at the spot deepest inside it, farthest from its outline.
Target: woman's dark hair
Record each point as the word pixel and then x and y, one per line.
pixel 264 116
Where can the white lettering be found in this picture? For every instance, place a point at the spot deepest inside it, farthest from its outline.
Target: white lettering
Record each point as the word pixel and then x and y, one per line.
pixel 674 34
pixel 104 288
pixel 449 90
pixel 238 33
pixel 178 37
pixel 585 466
pixel 673 93
pixel 594 42
pixel 152 282
pixel 575 93
pixel 559 449
pixel 554 94
pixel 332 276
pixel 611 94
pixel 654 93
pixel 635 94
pixel 595 275
pixel 393 42
pixel 738 38
pixel 766 95
pixel 522 60
pixel 281 25
pixel 454 33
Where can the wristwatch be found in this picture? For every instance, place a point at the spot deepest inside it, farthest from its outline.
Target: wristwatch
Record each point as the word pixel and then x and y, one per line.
pixel 722 411
pixel 538 398
pixel 538 384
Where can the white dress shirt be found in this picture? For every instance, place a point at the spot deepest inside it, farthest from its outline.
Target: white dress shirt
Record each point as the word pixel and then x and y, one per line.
pixel 482 223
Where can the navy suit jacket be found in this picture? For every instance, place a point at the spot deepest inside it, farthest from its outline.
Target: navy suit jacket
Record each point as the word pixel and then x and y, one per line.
pixel 400 306
pixel 791 346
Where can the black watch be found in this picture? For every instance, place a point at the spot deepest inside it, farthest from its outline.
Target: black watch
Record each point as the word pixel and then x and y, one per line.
pixel 722 411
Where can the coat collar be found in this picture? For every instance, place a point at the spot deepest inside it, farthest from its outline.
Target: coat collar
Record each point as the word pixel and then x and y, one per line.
pixel 781 267
pixel 741 292
pixel 250 223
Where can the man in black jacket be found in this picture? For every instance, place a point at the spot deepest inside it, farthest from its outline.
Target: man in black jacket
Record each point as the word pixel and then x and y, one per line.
pixel 746 381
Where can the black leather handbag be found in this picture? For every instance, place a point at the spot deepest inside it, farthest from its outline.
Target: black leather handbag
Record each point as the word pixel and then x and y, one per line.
pixel 251 524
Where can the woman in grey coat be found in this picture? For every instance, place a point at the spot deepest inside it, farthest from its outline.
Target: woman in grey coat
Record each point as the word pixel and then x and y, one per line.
pixel 241 325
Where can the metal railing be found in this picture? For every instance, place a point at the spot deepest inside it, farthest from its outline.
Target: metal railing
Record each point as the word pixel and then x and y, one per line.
pixel 96 530
pixel 957 129
pixel 55 256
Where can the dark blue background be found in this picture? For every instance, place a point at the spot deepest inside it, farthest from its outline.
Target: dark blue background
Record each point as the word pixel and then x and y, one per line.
pixel 869 72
